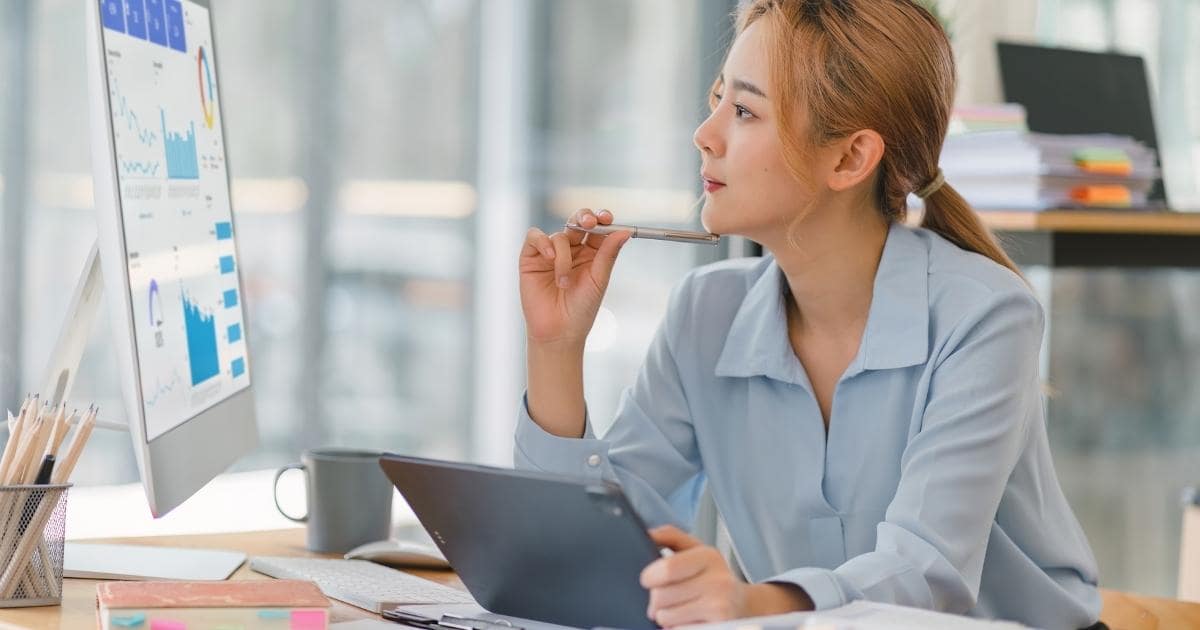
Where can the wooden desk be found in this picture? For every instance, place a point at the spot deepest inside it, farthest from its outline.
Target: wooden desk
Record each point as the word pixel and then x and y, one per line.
pixel 1097 238
pixel 78 608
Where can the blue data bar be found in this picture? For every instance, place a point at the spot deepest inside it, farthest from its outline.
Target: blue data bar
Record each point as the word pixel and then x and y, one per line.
pixel 156 22
pixel 135 18
pixel 231 298
pixel 112 15
pixel 224 230
pixel 227 264
pixel 234 333
pixel 239 367
pixel 175 37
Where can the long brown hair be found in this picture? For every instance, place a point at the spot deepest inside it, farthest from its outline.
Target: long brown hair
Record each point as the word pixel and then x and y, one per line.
pixel 884 65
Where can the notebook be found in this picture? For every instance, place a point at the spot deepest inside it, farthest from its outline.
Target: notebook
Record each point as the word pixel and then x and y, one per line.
pixel 247 604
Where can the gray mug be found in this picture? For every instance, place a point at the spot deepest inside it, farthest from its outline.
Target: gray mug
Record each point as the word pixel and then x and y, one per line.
pixel 349 498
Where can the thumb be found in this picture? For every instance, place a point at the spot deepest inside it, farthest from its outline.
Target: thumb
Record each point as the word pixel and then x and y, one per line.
pixel 606 255
pixel 673 538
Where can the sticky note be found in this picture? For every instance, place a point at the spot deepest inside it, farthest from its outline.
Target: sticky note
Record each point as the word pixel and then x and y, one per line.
pixel 308 619
pixel 128 621
pixel 272 614
pixel 167 624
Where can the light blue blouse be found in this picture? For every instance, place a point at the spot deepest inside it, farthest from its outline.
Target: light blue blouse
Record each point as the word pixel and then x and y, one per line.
pixel 934 486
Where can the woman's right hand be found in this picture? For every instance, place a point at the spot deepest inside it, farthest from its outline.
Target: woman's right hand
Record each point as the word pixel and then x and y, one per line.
pixel 563 279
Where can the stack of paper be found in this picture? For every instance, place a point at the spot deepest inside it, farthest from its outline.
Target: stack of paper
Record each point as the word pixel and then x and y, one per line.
pixel 988 117
pixel 857 615
pixel 1015 169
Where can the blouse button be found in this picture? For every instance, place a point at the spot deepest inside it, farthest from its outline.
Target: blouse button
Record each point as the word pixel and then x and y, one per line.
pixel 593 460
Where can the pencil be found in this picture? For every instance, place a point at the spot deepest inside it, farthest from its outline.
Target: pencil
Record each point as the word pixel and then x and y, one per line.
pixel 62 471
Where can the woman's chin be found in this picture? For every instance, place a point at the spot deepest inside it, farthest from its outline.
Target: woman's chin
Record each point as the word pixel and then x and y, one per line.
pixel 715 221
pixel 711 220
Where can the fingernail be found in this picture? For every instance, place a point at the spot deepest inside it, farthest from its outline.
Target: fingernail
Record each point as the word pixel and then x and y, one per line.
pixel 562 282
pixel 548 252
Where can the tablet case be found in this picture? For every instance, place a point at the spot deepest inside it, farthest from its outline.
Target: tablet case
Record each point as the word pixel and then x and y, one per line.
pixel 556 549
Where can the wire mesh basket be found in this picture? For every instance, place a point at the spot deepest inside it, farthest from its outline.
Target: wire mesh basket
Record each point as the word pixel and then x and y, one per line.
pixel 33 523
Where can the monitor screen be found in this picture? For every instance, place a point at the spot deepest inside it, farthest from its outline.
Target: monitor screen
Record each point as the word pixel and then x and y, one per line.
pixel 185 292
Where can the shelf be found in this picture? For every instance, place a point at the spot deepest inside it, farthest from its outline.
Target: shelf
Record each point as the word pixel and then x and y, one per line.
pixel 1095 221
pixel 1097 238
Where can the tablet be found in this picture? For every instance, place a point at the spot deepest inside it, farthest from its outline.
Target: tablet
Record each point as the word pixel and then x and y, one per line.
pixel 544 547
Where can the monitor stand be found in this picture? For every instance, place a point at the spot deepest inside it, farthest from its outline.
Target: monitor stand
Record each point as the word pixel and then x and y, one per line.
pixel 117 562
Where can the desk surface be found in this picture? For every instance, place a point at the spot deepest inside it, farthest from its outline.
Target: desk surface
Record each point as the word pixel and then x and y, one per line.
pixel 78 609
pixel 1096 238
pixel 1087 221
pixel 1095 221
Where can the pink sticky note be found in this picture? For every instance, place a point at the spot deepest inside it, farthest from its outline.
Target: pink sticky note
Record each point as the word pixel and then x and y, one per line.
pixel 308 620
pixel 167 624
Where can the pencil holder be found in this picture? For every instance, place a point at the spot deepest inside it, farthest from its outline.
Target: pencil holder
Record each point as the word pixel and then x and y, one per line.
pixel 33 520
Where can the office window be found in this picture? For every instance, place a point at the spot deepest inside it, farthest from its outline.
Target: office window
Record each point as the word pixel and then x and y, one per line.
pixel 622 90
pixel 397 342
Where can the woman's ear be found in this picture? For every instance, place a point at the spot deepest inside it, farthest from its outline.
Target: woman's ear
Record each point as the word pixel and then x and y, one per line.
pixel 858 155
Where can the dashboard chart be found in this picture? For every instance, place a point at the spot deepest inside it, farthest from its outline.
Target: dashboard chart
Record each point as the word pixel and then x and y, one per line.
pixel 175 208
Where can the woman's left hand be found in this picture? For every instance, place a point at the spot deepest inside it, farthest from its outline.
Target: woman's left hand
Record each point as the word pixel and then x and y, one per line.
pixel 695 585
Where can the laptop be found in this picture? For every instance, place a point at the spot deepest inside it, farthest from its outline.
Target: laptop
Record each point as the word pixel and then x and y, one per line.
pixel 1077 92
pixel 543 547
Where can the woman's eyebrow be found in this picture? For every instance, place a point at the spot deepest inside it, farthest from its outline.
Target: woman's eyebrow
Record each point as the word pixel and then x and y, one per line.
pixel 745 86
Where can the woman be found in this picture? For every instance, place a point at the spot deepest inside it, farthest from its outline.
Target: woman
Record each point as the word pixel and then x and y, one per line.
pixel 864 401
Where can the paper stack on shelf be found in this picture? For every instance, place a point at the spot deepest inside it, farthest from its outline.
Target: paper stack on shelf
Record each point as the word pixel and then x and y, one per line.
pixel 994 163
pixel 988 117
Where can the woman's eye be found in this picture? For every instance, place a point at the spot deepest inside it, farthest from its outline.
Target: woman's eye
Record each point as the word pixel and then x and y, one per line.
pixel 716 96
pixel 742 112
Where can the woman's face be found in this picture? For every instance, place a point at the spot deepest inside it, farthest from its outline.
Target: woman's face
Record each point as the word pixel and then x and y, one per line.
pixel 748 189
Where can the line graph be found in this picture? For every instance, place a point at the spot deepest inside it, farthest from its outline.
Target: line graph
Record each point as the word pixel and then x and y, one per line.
pixel 122 111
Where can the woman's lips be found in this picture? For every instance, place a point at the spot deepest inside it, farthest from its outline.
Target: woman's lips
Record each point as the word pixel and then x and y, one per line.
pixel 712 185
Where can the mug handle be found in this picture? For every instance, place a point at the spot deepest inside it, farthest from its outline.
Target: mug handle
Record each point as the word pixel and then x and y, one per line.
pixel 275 491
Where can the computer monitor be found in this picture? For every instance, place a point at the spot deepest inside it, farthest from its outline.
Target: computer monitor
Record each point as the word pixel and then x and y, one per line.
pixel 167 242
pixel 1074 91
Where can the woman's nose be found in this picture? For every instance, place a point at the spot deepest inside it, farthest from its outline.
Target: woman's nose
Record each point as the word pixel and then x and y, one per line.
pixel 706 138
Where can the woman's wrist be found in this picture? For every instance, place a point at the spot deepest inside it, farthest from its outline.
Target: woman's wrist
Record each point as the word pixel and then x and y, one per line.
pixel 555 382
pixel 557 349
pixel 773 598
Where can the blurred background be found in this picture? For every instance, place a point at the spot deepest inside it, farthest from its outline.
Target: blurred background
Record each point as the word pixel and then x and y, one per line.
pixel 388 155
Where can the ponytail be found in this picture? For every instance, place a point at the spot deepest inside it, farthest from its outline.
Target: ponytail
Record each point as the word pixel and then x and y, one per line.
pixel 949 215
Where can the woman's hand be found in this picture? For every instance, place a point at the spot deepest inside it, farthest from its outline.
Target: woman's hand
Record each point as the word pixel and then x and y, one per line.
pixel 695 585
pixel 563 279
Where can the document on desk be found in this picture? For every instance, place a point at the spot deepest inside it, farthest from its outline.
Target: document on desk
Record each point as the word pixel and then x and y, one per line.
pixel 859 615
pixel 863 615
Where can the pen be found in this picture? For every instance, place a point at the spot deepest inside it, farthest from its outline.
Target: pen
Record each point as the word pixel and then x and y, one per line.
pixel 43 474
pixel 659 234
pixel 447 622
pixel 411 620
pixel 457 622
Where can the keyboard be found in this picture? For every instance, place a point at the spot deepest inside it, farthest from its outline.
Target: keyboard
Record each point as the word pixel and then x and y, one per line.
pixel 361 583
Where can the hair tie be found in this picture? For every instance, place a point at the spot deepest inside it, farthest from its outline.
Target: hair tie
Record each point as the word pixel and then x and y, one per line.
pixel 933 186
